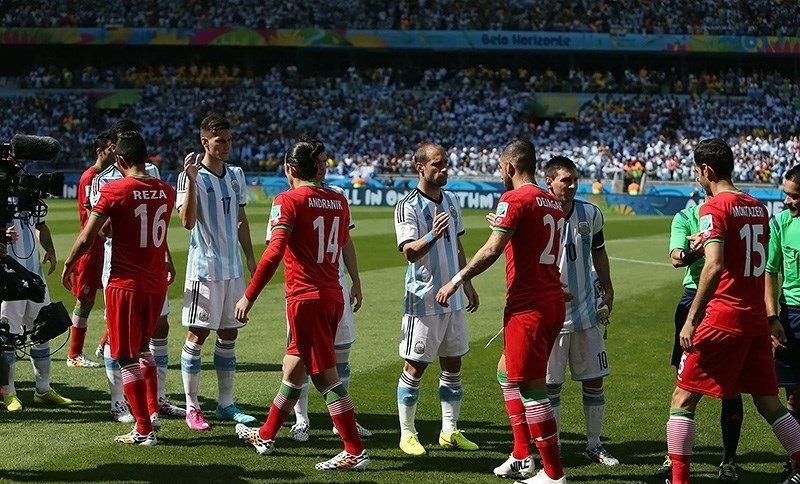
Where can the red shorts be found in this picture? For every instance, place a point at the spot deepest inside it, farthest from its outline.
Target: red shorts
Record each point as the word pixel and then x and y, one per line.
pixel 131 317
pixel 312 330
pixel 725 364
pixel 88 277
pixel 529 338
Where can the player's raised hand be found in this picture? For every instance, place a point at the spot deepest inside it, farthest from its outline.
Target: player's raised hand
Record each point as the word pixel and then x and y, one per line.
pixel 191 165
pixel 491 217
pixel 444 294
pixel 356 297
pixel 473 301
pixel 12 234
pixel 242 308
pixel 695 242
pixel 686 336
pixel 441 220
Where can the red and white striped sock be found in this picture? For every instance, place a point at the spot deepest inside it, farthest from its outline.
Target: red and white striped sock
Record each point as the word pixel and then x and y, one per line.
pixel 680 440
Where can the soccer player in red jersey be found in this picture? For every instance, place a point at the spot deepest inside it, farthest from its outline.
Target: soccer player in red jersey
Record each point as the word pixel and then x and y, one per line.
pixel 138 207
pixel 528 226
pixel 90 265
pixel 731 351
pixel 309 225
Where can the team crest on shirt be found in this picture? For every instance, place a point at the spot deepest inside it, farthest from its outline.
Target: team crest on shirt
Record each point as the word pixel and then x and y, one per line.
pixel 4 321
pixel 203 315
pixel 583 227
pixel 453 212
pixel 85 290
pixel 235 185
pixel 405 231
pixel 706 224
pixel 419 348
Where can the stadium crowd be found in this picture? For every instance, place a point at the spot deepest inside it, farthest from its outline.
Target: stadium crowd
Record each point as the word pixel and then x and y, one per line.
pixel 373 119
pixel 718 17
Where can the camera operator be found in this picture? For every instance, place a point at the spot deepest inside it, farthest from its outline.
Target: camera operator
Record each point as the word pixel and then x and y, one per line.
pixel 23 247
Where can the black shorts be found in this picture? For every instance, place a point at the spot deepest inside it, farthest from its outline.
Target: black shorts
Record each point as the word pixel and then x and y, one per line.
pixel 787 360
pixel 680 318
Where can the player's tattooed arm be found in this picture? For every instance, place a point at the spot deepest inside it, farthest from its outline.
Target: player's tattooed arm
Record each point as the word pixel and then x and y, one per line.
pixel 473 300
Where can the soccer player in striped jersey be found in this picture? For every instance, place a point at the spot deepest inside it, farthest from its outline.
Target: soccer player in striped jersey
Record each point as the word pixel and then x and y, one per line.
pixel 137 208
pixel 309 224
pixel 580 344
pixel 727 338
pixel 345 332
pixel 528 227
pixel 212 195
pixel 157 355
pixel 685 251
pixel 90 267
pixel 783 300
pixel 27 232
pixel 428 225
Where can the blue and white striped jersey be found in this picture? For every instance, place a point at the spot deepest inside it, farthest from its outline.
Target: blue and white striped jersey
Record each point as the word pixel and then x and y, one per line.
pixel 583 233
pixel 214 241
pixel 26 249
pixel 413 218
pixel 101 179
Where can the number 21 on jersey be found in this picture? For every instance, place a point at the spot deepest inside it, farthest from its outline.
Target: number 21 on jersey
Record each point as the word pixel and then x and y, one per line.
pixel 555 229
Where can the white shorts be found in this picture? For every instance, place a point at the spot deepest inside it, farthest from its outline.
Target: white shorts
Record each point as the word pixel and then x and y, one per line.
pixel 346 331
pixel 423 338
pixel 19 314
pixel 211 304
pixel 586 353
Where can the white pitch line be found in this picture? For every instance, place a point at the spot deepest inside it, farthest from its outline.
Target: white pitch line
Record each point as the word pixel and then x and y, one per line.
pixel 637 261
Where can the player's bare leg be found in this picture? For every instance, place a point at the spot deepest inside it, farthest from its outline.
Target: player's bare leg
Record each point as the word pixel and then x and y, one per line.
pixel 450 395
pixel 407 398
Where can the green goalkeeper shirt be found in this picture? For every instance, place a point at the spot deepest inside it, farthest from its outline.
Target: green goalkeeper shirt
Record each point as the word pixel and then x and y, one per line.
pixel 685 223
pixel 784 255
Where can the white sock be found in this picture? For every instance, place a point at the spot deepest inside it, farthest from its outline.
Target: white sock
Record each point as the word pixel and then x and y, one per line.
pixel 594 411
pixel 301 407
pixel 159 349
pixel 554 394
pixel 407 398
pixel 343 366
pixel 450 395
pixel 113 376
pixel 190 373
pixel 225 364
pixel 40 357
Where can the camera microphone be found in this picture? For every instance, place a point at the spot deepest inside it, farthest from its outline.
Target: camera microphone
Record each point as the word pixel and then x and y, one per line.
pixel 27 147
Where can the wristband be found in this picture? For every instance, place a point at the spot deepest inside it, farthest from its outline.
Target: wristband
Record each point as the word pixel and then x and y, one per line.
pixel 429 238
pixel 689 256
pixel 457 280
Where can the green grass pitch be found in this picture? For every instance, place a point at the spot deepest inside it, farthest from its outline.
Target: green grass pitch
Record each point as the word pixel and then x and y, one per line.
pixel 75 445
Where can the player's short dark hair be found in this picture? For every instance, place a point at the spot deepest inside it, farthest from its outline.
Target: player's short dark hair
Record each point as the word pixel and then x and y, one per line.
pixel 131 146
pixel 304 155
pixel 426 151
pixel 793 174
pixel 213 124
pixel 122 126
pixel 522 154
pixel 558 163
pixel 102 140
pixel 715 153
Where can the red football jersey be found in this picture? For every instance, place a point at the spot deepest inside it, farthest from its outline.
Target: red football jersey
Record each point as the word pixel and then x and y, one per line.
pixel 741 222
pixel 84 185
pixel 318 219
pixel 139 210
pixel 537 219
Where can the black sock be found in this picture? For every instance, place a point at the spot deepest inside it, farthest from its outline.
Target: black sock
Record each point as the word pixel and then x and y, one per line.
pixel 731 422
